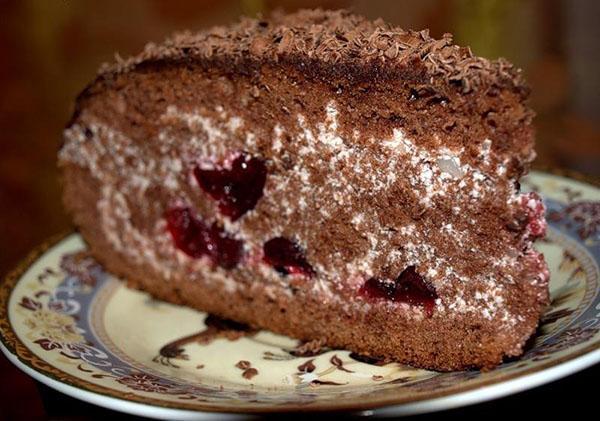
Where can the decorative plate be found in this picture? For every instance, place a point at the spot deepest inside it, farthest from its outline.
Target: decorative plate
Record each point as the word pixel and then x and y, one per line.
pixel 76 328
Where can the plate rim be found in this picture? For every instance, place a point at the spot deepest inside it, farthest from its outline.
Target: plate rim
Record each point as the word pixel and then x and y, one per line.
pixel 156 408
pixel 462 399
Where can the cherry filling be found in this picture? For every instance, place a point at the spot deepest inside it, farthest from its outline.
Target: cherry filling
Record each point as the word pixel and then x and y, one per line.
pixel 535 210
pixel 238 189
pixel 196 239
pixel 409 288
pixel 286 257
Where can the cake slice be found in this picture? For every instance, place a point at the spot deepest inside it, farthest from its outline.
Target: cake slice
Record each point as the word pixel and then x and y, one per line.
pixel 321 176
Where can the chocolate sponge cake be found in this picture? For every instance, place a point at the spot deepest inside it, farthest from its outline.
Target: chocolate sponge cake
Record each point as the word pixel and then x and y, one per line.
pixel 321 176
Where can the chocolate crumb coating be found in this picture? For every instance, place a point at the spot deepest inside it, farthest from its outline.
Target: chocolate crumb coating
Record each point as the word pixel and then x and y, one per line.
pixel 336 39
pixel 322 176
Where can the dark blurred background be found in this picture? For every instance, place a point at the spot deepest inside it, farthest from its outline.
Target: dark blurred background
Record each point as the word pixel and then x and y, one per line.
pixel 49 50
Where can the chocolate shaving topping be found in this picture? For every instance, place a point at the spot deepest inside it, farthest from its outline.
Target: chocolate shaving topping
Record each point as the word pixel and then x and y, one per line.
pixel 307 367
pixel 249 373
pixel 368 360
pixel 309 349
pixel 243 364
pixel 333 37
pixel 326 383
pixel 339 364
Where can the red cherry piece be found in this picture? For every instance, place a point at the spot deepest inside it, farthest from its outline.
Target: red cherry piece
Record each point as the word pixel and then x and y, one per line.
pixel 409 288
pixel 535 210
pixel 378 288
pixel 237 189
pixel 286 257
pixel 196 239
